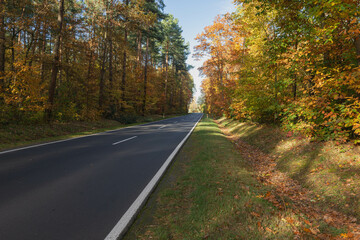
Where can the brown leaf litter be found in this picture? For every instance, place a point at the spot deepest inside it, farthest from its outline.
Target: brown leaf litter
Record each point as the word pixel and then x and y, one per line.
pixel 285 187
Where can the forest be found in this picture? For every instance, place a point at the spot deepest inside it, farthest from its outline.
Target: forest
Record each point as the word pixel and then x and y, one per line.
pixel 82 60
pixel 293 63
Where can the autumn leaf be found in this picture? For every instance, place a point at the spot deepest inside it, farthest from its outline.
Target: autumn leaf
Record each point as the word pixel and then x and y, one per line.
pixel 290 220
pixel 347 235
pixel 328 219
pixel 255 214
pixel 307 222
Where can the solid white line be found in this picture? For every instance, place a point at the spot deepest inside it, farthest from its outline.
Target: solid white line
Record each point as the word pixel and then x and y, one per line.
pixel 125 221
pixel 125 140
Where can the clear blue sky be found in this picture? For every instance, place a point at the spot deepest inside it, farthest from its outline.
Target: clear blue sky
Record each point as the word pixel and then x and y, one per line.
pixel 193 16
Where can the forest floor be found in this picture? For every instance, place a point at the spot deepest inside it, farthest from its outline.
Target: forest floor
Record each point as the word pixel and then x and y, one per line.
pixel 18 135
pixel 262 184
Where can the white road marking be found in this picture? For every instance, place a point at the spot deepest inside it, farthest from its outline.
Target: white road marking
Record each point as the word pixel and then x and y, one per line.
pixel 124 223
pixel 176 122
pixel 124 140
pixel 75 138
pixel 162 127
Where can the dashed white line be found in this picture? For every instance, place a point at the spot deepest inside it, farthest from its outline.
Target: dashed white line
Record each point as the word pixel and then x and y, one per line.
pixel 162 127
pixel 124 140
pixel 124 223
pixel 75 138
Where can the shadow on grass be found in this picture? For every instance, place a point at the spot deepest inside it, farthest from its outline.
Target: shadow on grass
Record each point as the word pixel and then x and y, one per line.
pixel 262 136
pixel 300 162
pixel 334 182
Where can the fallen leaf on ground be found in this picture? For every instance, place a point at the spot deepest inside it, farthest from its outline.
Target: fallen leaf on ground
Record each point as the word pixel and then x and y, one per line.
pixel 255 214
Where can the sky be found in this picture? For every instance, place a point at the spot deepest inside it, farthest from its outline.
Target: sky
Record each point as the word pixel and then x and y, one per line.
pixel 194 16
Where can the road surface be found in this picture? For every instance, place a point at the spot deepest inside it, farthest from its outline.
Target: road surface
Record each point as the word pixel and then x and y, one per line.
pixel 80 188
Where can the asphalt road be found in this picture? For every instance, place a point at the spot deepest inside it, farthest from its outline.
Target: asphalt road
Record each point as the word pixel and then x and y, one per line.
pixel 79 189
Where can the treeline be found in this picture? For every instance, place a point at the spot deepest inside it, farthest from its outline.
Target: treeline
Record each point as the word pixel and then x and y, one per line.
pixel 70 60
pixel 289 62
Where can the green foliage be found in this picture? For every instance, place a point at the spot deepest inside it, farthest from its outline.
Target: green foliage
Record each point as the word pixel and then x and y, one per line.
pixel 101 69
pixel 296 63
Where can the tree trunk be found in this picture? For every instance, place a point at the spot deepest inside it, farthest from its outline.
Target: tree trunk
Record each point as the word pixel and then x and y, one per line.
pixel 295 87
pixel 181 92
pixel 35 44
pixel 12 62
pixel 139 49
pixel 88 80
pixel 145 75
pixel 166 78
pixel 43 52
pixel 30 46
pixel 21 28
pixel 112 104
pixel 222 88
pixel 2 39
pixel 56 62
pixel 110 63
pixel 102 77
pixel 123 80
pixel 90 69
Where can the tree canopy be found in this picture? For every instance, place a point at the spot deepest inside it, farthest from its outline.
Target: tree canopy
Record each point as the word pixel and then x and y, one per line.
pixel 87 59
pixel 290 62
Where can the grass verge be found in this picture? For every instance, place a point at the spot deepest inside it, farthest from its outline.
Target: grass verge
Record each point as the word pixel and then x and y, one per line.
pixel 325 176
pixel 330 170
pixel 212 192
pixel 17 135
